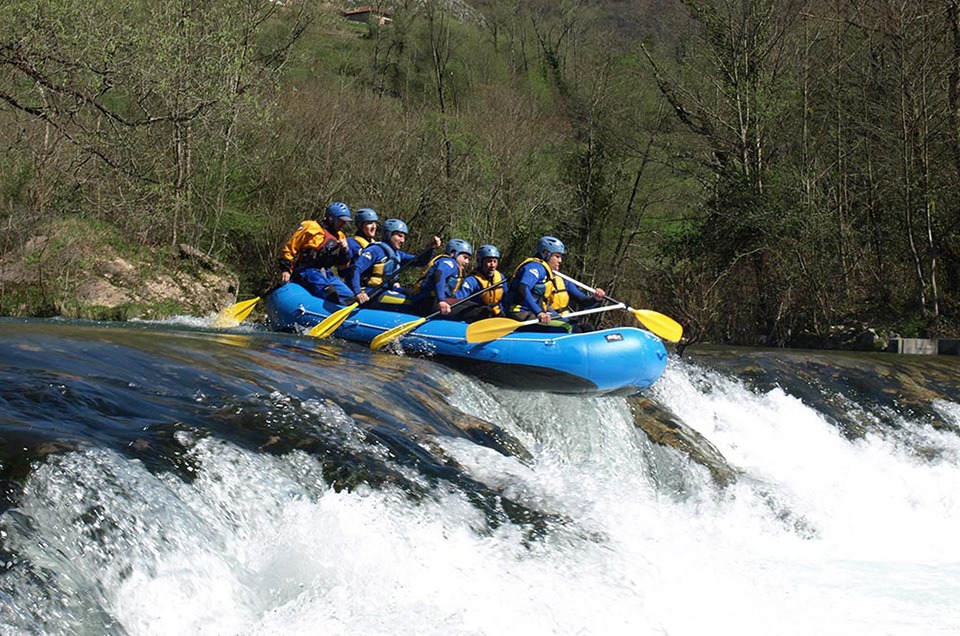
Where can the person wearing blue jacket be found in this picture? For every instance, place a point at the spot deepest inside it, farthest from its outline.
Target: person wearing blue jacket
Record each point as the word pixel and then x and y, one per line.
pixel 485 276
pixel 378 262
pixel 535 291
pixel 442 278
pixel 366 222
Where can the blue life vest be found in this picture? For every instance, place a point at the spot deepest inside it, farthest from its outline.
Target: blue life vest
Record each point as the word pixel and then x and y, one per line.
pixel 453 282
pixel 384 268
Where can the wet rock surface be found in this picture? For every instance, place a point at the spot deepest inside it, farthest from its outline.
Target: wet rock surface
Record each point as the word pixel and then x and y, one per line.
pixel 666 429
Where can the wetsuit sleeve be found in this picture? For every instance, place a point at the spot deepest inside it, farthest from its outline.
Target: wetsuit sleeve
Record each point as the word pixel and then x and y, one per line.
pixel 579 295
pixel 530 276
pixel 470 285
pixel 365 261
pixel 445 269
pixel 342 255
pixel 353 248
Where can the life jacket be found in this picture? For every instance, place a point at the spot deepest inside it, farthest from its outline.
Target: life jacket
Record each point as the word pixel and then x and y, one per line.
pixel 357 243
pixel 312 245
pixel 453 283
pixel 550 294
pixel 362 240
pixel 384 268
pixel 492 297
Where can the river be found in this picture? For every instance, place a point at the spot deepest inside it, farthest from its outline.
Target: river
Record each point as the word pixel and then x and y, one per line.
pixel 164 478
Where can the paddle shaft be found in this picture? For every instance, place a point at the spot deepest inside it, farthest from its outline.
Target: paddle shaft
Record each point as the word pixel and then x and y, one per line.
pixel 493 328
pixel 663 326
pixel 400 330
pixel 588 288
pixel 583 312
pixel 582 286
pixel 470 297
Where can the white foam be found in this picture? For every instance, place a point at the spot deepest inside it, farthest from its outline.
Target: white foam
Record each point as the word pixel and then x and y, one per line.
pixel 258 544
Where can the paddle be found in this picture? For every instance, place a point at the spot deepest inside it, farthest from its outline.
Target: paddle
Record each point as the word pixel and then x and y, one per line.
pixel 392 334
pixel 663 326
pixel 332 322
pixel 493 328
pixel 237 313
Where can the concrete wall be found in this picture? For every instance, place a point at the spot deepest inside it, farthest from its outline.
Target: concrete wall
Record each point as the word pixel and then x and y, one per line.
pixel 920 346
pixel 924 346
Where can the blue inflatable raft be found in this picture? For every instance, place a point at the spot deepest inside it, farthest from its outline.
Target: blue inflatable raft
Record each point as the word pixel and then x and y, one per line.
pixel 620 361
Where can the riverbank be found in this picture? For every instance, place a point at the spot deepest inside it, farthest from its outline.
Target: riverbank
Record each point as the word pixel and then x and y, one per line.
pixel 86 269
pixel 78 268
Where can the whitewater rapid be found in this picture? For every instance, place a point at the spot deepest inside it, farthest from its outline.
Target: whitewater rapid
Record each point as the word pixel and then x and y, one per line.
pixel 821 534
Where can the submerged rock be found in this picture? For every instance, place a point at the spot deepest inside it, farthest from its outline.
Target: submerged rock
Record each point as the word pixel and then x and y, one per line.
pixel 664 428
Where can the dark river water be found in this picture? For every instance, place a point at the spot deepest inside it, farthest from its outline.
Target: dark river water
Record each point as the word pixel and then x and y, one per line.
pixel 166 478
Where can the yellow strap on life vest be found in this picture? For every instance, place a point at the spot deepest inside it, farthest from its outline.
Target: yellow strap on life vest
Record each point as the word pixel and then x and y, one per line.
pixel 555 294
pixel 426 270
pixel 492 297
pixel 423 272
pixel 375 277
pixel 560 298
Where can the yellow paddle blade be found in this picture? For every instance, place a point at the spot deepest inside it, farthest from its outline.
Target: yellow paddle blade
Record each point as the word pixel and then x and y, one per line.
pixel 332 322
pixel 234 314
pixel 663 326
pixel 389 336
pixel 491 329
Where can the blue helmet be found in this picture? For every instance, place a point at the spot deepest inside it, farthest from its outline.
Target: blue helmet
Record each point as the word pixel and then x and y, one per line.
pixel 487 251
pixel 393 225
pixel 338 210
pixel 550 245
pixel 458 246
pixel 366 215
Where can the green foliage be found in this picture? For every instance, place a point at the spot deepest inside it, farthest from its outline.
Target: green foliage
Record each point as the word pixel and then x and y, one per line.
pixel 27 300
pixel 749 178
pixel 914 326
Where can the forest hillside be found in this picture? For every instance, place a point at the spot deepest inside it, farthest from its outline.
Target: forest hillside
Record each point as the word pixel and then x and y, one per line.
pixel 760 170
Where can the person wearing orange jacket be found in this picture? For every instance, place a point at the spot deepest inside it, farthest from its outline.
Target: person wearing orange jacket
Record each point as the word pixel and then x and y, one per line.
pixel 309 257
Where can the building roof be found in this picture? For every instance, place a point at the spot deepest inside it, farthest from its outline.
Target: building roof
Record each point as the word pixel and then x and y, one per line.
pixel 377 10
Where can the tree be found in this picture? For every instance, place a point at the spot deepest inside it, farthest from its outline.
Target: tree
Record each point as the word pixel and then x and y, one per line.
pixel 132 91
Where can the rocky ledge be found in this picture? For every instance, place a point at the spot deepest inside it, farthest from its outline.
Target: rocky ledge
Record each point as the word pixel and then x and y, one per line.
pixel 78 269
